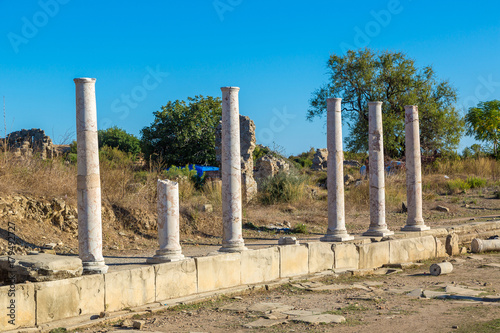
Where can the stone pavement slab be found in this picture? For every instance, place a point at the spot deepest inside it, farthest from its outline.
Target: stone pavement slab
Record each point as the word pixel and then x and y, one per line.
pixel 318 319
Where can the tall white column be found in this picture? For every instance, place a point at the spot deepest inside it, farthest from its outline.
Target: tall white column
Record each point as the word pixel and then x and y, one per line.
pixel 88 180
pixel 415 221
pixel 336 209
pixel 231 172
pixel 378 227
pixel 168 223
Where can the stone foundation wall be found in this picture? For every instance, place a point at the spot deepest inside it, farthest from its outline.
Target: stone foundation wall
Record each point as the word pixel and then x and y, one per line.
pixel 44 302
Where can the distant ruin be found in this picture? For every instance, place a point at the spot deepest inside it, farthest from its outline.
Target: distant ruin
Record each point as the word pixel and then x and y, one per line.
pixel 27 143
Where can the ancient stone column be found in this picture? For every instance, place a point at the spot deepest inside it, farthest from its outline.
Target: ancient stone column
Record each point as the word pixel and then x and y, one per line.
pixel 336 210
pixel 231 172
pixel 168 223
pixel 415 221
pixel 378 227
pixel 88 181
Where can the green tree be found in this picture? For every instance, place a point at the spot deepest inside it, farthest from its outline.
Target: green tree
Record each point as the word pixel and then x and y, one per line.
pixel 483 123
pixel 184 133
pixel 115 137
pixel 363 76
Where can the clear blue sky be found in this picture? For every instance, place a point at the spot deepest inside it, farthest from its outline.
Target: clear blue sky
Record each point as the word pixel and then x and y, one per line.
pixel 276 52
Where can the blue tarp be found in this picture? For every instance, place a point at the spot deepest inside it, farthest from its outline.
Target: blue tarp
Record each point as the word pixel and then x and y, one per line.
pixel 200 169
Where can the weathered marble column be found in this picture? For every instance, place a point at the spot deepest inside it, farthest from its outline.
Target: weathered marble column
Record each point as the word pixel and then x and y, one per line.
pixel 336 209
pixel 415 221
pixel 168 223
pixel 378 227
pixel 231 172
pixel 88 180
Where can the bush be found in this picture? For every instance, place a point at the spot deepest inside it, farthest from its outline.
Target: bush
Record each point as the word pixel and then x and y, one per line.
pixel 476 182
pixel 300 229
pixel 283 187
pixel 457 185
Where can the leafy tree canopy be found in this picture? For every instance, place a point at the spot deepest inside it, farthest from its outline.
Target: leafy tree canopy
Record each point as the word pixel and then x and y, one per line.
pixel 184 132
pixel 115 137
pixel 483 123
pixel 391 77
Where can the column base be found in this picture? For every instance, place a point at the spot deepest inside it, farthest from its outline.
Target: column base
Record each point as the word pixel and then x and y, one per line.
pixel 336 238
pixel 420 227
pixel 233 248
pixel 94 267
pixel 162 258
pixel 378 232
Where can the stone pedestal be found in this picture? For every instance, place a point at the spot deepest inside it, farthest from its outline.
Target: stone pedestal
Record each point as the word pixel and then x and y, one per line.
pixel 88 180
pixel 415 221
pixel 378 227
pixel 231 172
pixel 336 210
pixel 168 223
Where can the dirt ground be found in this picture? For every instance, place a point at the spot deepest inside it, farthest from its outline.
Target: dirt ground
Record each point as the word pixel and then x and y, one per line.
pixel 375 303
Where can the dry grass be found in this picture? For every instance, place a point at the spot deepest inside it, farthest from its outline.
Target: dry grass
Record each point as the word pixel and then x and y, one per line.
pixel 480 167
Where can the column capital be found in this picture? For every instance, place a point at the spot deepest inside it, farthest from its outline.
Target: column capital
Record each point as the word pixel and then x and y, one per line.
pixel 230 88
pixel 84 80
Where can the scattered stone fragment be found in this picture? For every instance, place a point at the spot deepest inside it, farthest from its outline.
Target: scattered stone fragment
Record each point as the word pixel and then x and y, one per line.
pixel 288 241
pixel 461 291
pixel 433 294
pixel 492 265
pixel 452 245
pixel 261 322
pixel 310 285
pixel 264 307
pixel 301 313
pixel 442 209
pixel 441 268
pixel 103 314
pixel 415 292
pixel 323 318
pixel 463 250
pixel 207 208
pixel 138 324
pixel 236 307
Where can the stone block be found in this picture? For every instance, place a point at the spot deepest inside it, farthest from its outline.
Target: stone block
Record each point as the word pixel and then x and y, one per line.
pixel 320 257
pixel 412 249
pixel 294 260
pixel 260 265
pixel 39 267
pixel 129 288
pixel 373 255
pixel 452 244
pixel 175 279
pixel 218 272
pixel 346 256
pixel 69 298
pixel 23 308
pixel 440 248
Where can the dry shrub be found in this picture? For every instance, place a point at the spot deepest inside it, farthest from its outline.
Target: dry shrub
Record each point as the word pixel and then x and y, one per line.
pixel 481 167
pixel 357 198
pixel 37 177
pixel 212 190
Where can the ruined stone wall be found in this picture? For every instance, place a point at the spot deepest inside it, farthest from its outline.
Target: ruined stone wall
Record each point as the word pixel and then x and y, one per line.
pixel 320 161
pixel 26 143
pixel 247 146
pixel 269 166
